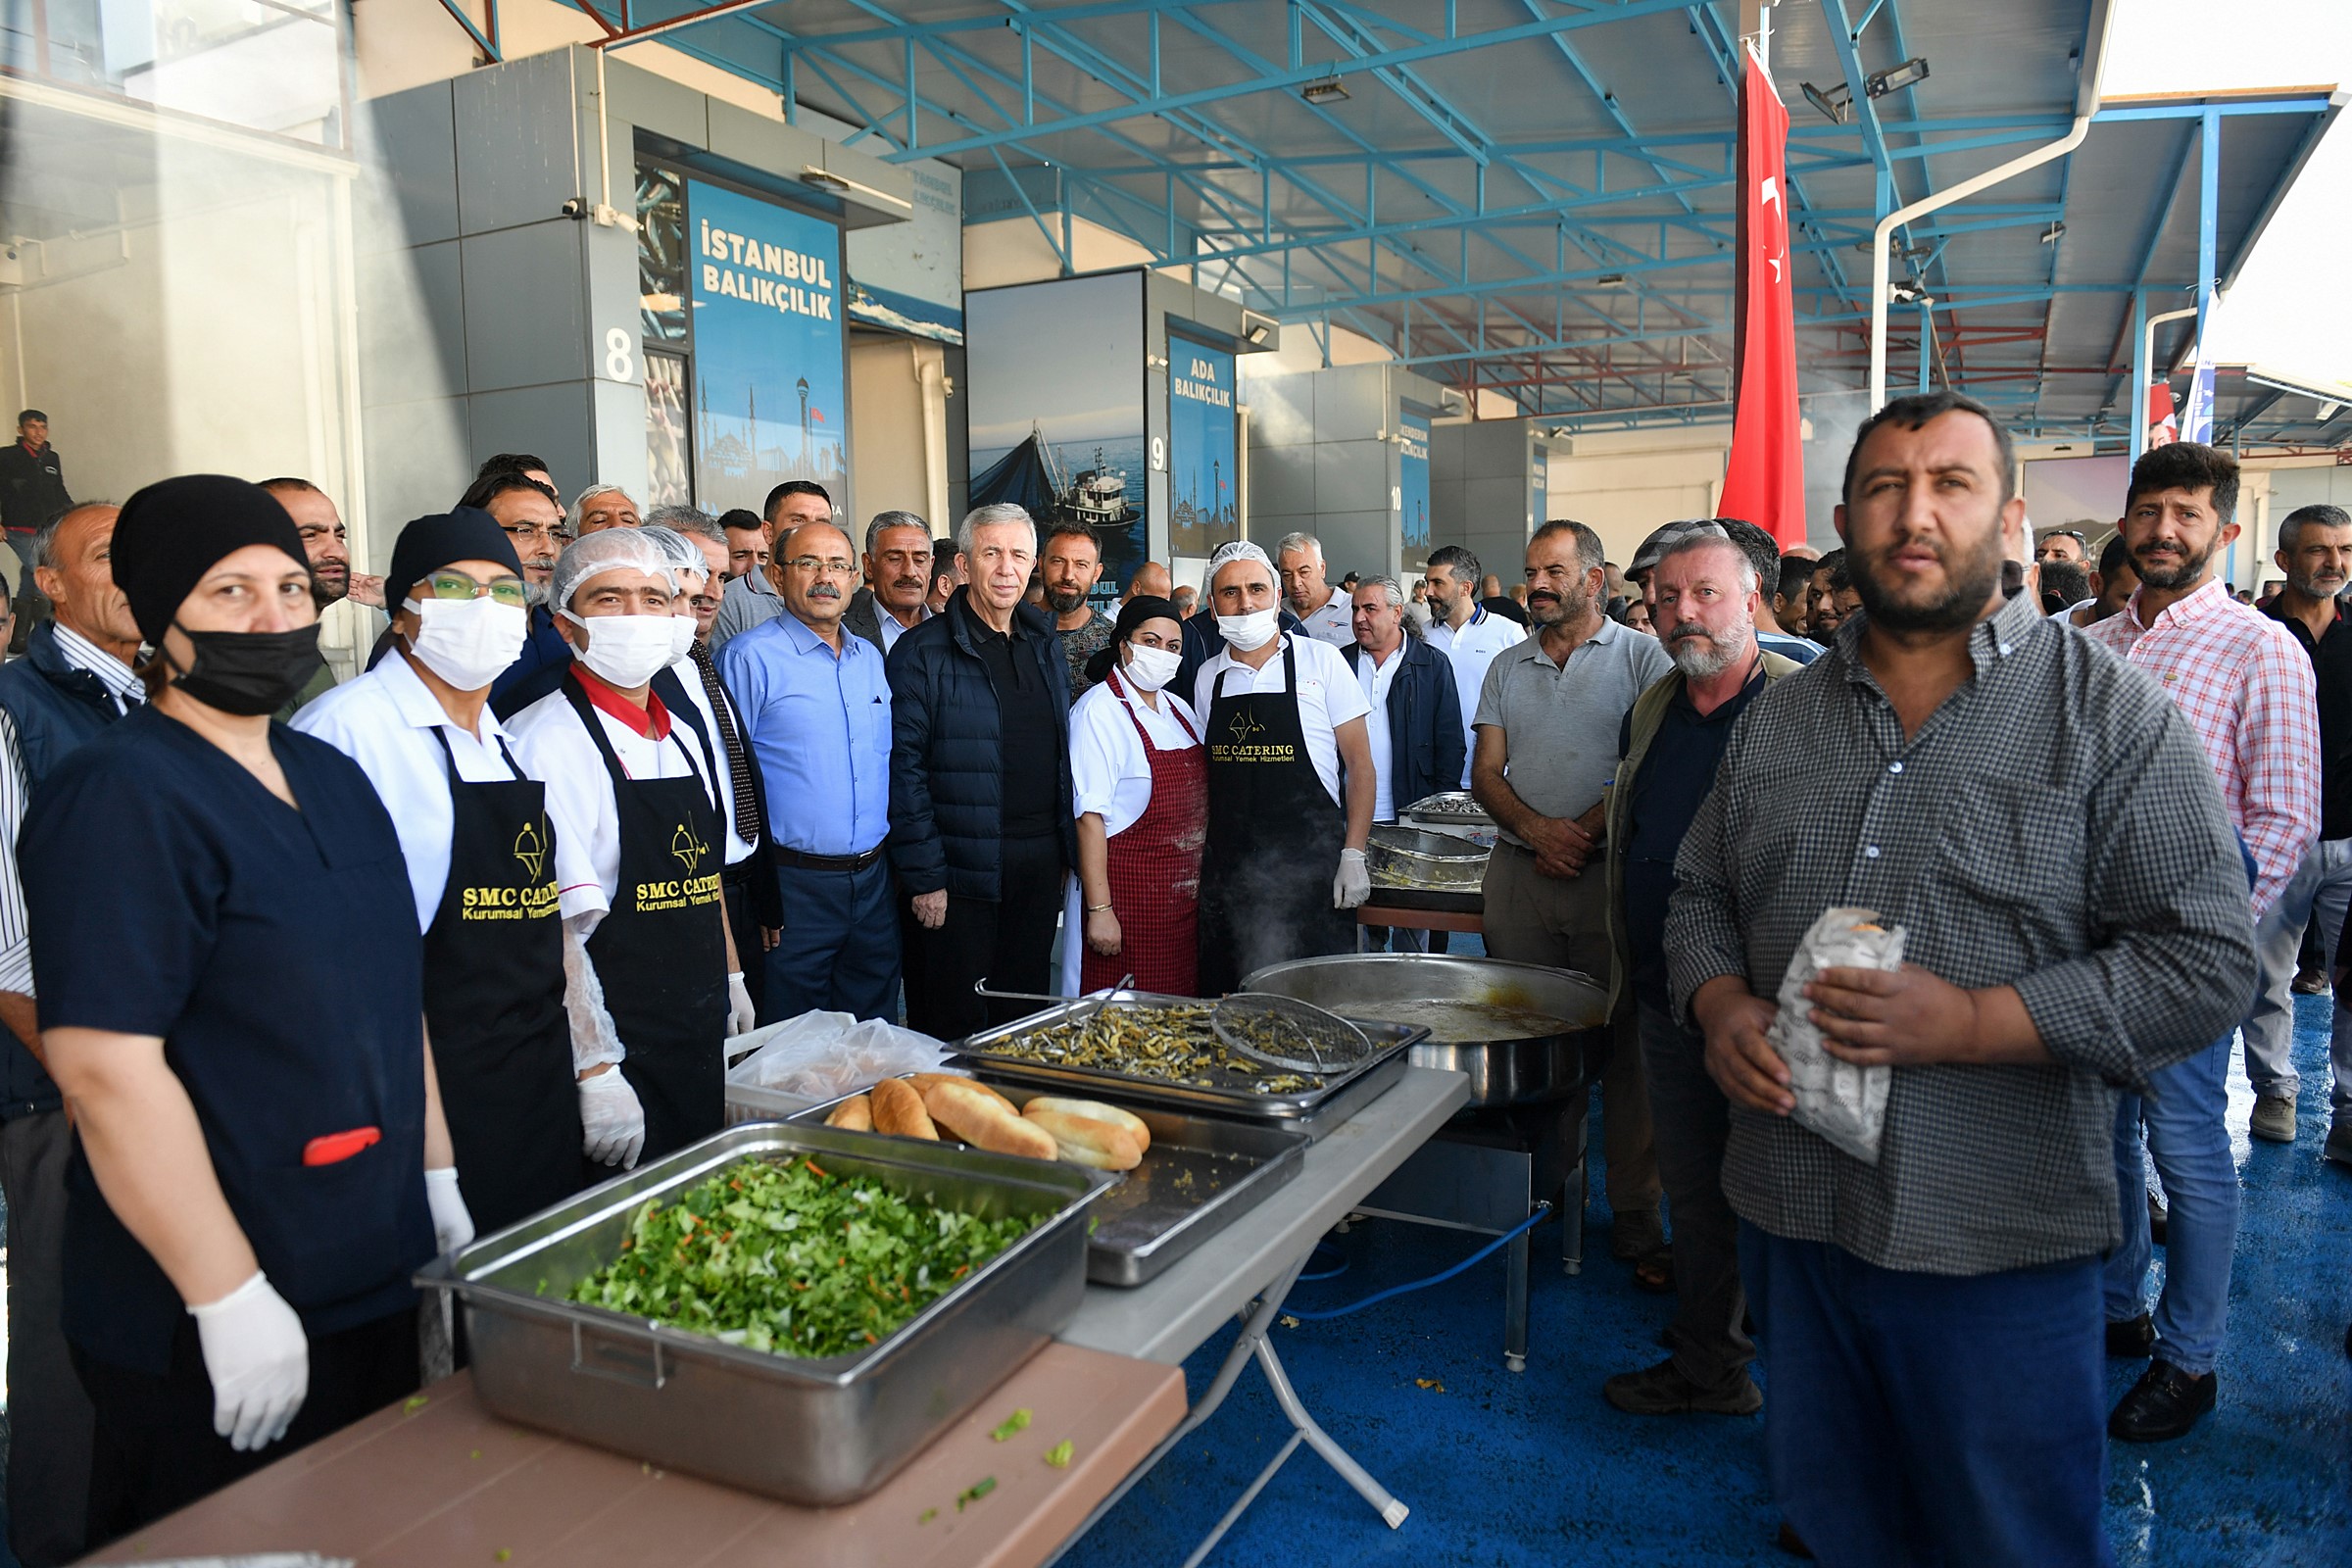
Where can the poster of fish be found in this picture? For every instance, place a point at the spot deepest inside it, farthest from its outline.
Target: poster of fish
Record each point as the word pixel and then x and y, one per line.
pixel 1053 379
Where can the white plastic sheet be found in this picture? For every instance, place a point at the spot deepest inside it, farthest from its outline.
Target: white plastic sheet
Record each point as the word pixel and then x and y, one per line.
pixel 1843 1102
pixel 825 1054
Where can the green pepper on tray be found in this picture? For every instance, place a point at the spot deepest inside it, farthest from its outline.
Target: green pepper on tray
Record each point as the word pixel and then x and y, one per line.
pixel 789 1259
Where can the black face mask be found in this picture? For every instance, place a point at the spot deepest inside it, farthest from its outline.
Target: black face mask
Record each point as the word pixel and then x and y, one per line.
pixel 251 672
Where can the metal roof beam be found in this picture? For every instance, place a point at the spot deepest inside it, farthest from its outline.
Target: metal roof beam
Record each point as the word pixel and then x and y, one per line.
pixel 1600 15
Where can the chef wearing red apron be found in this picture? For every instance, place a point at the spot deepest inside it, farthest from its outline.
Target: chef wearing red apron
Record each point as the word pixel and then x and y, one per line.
pixel 1138 773
pixel 1290 785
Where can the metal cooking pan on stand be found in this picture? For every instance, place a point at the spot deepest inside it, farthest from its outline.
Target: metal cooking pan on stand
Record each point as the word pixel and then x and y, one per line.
pixel 1531 1040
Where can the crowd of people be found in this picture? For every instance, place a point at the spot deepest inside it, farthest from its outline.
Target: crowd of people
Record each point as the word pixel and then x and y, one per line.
pixel 352 915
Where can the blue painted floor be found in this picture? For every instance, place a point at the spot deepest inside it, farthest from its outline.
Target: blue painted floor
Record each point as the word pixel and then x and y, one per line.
pixel 1503 1469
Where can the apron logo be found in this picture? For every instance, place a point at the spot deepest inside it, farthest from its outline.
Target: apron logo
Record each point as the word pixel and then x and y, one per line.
pixel 687 849
pixel 1242 726
pixel 530 849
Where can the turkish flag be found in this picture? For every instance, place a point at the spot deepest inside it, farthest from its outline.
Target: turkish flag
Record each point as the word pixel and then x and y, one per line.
pixel 2164 426
pixel 1765 482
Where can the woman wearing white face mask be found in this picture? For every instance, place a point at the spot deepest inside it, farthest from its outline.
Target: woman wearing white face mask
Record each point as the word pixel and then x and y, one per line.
pixel 1137 771
pixel 420 726
pixel 638 857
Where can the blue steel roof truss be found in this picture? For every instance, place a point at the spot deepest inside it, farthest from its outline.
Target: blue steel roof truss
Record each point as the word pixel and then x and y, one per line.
pixel 1582 264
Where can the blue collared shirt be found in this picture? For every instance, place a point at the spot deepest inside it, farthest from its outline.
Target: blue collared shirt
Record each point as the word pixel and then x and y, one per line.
pixel 820 729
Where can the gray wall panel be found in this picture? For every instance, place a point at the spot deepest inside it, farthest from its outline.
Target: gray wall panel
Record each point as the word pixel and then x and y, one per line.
pixel 549 422
pixel 525 321
pixel 515 138
pixel 413 347
pixel 416 135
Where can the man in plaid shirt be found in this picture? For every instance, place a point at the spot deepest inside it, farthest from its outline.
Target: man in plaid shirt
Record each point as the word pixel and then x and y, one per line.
pixel 2077 921
pixel 2248 692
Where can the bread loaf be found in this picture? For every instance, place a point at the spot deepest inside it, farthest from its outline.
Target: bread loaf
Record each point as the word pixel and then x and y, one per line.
pixel 985 1119
pixel 924 1082
pixel 1097 1111
pixel 1085 1141
pixel 898 1109
pixel 855 1114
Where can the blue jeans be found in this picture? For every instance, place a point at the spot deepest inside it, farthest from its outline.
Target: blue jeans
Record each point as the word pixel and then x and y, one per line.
pixel 1953 1420
pixel 2191 1146
pixel 840 945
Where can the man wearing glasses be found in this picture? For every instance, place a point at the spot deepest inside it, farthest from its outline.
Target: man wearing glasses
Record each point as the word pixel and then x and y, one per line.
pixel 816 702
pixel 473 830
pixel 527 512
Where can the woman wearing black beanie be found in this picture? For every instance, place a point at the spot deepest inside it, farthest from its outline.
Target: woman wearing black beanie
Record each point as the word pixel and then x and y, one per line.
pixel 227 960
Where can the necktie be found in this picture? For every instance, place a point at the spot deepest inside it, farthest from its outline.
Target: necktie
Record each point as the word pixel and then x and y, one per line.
pixel 739 763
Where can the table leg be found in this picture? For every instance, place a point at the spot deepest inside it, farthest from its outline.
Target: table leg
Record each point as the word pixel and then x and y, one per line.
pixel 1572 1206
pixel 1251 1343
pixel 1514 1305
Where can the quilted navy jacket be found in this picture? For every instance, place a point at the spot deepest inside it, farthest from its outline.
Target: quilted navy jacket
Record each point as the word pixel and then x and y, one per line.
pixel 947 756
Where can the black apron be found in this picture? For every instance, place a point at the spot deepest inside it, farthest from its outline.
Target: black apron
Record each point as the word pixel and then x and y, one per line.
pixel 1274 840
pixel 661 951
pixel 494 1001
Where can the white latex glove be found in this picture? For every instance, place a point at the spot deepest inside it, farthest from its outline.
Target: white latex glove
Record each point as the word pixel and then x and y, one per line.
pixel 259 1360
pixel 611 1120
pixel 453 1222
pixel 742 1020
pixel 1354 885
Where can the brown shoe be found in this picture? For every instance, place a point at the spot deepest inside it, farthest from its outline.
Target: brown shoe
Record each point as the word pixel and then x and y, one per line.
pixel 2273 1119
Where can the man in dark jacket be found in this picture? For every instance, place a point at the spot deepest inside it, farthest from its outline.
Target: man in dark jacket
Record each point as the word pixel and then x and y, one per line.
pixel 74 680
pixel 32 481
pixel 982 829
pixel 1420 713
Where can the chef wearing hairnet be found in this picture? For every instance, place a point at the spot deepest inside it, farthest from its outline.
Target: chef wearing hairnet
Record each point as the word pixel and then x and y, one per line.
pixel 1291 784
pixel 474 832
pixel 638 859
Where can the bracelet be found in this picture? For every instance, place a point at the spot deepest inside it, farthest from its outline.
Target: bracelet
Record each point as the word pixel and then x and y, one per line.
pixel 1097 908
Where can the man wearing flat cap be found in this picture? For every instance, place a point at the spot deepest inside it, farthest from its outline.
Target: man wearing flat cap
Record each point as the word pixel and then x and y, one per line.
pixel 480 853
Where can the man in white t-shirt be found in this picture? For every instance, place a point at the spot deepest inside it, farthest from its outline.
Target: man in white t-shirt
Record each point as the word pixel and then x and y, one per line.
pixel 1466 632
pixel 1291 783
pixel 1327 614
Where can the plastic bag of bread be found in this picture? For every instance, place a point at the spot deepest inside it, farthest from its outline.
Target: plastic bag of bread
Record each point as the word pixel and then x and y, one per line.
pixel 1842 1102
pixel 822 1054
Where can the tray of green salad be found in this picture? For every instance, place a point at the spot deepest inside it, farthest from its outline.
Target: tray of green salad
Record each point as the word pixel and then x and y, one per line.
pixel 794 1310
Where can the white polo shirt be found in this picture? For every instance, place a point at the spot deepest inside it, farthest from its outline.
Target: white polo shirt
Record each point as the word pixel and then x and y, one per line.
pixel 1470 650
pixel 1333 623
pixel 552 745
pixel 383 720
pixel 1328 696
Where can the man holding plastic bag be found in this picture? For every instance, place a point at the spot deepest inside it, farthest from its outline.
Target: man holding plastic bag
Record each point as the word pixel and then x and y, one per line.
pixel 2073 918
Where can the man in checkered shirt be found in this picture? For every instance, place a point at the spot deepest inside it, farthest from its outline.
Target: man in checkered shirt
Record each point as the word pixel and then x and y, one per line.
pixel 2076 919
pixel 2249 693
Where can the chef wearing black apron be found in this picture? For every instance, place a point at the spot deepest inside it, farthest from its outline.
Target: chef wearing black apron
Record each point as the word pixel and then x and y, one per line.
pixel 229 973
pixel 1277 824
pixel 480 853
pixel 639 857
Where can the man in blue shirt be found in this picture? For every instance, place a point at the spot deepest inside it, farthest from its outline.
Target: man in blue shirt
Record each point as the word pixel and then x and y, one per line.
pixel 816 702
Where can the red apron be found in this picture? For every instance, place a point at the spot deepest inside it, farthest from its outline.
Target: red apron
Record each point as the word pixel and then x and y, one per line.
pixel 1155 870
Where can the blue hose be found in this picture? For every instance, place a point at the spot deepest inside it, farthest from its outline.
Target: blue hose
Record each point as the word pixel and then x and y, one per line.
pixel 1481 1254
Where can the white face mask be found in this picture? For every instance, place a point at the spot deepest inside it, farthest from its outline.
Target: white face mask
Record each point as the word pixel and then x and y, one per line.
pixel 1149 669
pixel 1249 632
pixel 625 651
pixel 467 642
pixel 681 637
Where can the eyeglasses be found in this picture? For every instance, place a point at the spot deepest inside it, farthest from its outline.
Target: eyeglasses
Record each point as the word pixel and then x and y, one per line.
pixel 456 585
pixel 559 532
pixel 838 569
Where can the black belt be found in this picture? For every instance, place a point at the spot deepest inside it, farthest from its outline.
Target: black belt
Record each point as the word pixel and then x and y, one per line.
pixel 825 863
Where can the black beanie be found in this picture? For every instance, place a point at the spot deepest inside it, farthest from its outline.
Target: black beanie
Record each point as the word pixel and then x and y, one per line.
pixel 173 531
pixel 429 544
pixel 1133 614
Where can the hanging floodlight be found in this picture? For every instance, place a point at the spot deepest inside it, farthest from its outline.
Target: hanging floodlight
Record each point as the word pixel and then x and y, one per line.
pixel 1894 78
pixel 1329 90
pixel 1834 104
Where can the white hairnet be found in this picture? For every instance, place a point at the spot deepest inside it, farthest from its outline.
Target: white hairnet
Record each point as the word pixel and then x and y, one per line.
pixel 684 552
pixel 608 550
pixel 1241 549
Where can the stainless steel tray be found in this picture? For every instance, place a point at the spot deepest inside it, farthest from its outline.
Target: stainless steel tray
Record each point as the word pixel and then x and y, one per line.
pixel 1201 1174
pixel 812 1432
pixel 1316 1111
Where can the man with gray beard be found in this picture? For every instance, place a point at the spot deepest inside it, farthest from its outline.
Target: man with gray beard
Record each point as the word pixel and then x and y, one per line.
pixel 1706 599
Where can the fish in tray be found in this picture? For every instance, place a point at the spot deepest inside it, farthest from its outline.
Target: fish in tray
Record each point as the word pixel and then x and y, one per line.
pixel 1175 1044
